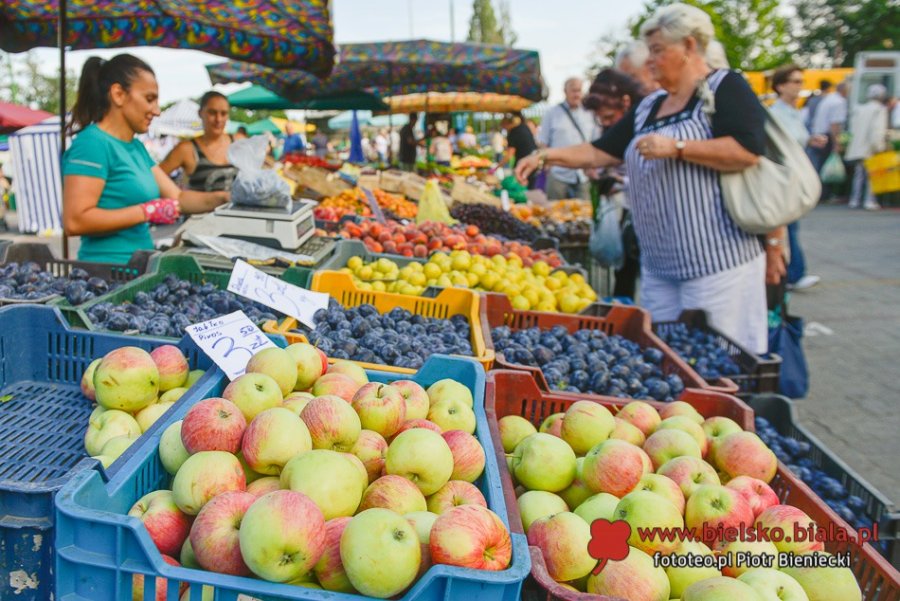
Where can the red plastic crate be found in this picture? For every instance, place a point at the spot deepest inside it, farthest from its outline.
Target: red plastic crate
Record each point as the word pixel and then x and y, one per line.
pixel 515 393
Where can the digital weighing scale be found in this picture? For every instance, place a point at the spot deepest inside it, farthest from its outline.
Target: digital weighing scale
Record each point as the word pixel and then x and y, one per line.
pixel 286 228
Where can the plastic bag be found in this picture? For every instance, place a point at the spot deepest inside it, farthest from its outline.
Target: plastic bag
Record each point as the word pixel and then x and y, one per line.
pixel 255 186
pixel 432 206
pixel 833 171
pixel 605 242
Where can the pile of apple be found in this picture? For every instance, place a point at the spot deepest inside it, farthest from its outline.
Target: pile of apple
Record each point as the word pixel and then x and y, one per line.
pixel 316 477
pixel 666 469
pixel 133 389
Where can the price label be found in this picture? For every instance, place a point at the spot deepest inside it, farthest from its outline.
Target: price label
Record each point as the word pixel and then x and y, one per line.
pixel 276 294
pixel 373 204
pixel 230 341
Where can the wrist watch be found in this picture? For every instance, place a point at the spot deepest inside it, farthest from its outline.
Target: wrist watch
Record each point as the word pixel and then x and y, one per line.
pixel 679 146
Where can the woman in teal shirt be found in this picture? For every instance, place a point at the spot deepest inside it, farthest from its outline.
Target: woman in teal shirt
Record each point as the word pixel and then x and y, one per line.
pixel 112 188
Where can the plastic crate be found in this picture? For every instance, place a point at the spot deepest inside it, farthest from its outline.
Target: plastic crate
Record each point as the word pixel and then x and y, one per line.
pixel 514 393
pixel 446 304
pixel 780 412
pixel 347 249
pixel 42 430
pixel 100 548
pixel 758 374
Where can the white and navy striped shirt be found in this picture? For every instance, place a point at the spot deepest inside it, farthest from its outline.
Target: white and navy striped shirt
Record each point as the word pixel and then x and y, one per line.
pixel 679 217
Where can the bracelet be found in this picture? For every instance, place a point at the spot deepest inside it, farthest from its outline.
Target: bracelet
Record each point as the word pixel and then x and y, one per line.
pixel 542 157
pixel 774 242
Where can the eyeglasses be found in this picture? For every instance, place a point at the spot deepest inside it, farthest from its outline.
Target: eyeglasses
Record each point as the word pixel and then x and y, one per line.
pixel 795 81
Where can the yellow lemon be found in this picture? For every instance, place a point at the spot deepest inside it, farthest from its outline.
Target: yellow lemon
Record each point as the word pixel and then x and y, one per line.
pixel 432 270
pixel 546 306
pixel 417 279
pixel 379 286
pixel 569 303
pixel 365 273
pixel 489 280
pixel 577 278
pixel 478 269
pixel 444 281
pixel 532 295
pixel 520 303
pixel 384 265
pixel 462 261
pixel 473 279
pixel 552 283
pixel 541 268
pixel 460 280
pixel 355 263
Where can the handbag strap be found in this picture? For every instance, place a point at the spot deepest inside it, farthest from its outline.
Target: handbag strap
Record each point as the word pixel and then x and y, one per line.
pixel 574 122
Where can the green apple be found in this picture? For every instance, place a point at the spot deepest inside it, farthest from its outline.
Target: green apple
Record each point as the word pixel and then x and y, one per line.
pixel 170 396
pixel 563 539
pixel 629 433
pixel 772 585
pixel 689 473
pixel 682 577
pixel 421 456
pixel 666 487
pixel 664 445
pixel 585 425
pixel 395 493
pixel 87 380
pixel 380 552
pixel 514 429
pixel 544 462
pixel 601 506
pixel 537 504
pixel 187 557
pixel 826 584
pixel 204 475
pixel 253 393
pixel 273 438
pixel 641 415
pixel 327 478
pixel 717 427
pixel 720 588
pixel 680 408
pixel 578 491
pixel 329 570
pixel 310 361
pixel 634 577
pixel 613 466
pixel 349 368
pixel 172 453
pixel 278 364
pixel 552 425
pixel 686 424
pixel 737 550
pixel 452 414
pixel 423 522
pixel 108 425
pixel 113 449
pixel 643 509
pixel 381 408
pixel 193 376
pixel 712 505
pixel 147 416
pixel 448 389
pixel 126 379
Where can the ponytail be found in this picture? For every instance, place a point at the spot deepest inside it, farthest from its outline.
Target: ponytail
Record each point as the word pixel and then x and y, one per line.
pixel 97 77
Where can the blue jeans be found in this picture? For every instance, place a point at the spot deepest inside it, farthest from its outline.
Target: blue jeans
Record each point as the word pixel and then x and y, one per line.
pixel 796 269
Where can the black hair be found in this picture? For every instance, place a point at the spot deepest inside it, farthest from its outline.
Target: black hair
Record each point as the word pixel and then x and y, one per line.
pixel 824 85
pixel 204 100
pixel 610 88
pixel 242 130
pixel 782 75
pixel 97 77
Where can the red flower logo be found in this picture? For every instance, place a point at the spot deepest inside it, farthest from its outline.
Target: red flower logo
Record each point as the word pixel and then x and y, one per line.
pixel 609 541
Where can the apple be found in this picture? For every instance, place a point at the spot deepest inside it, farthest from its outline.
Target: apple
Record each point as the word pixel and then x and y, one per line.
pixel 628 432
pixel 105 426
pixel 421 456
pixel 563 540
pixel 253 393
pixel 193 376
pixel 380 552
pixel 682 577
pixel 737 549
pixel 418 423
pixel 453 494
pixel 532 457
pixel 417 401
pixel 264 485
pixel 250 475
pixel 172 453
pixel 311 363
pixel 720 588
pixel 468 455
pixel 513 430
pixel 349 368
pixel 689 473
pixel 644 509
pixel 296 401
pixel 666 487
pixel 452 414
pixel 329 570
pixel 357 463
pixel 552 425
pixel 113 449
pixel 712 505
pixel 170 396
pixel 686 424
pixel 172 366
pixel 537 504
pixel 87 380
pixel 422 522
pixel 826 584
pixel 282 535
pixel 641 415
pixel 273 438
pixel 745 454
pixel 278 364
pixel 336 384
pixel 166 524
pixel 326 477
pixel 578 491
pixel 680 408
pixel 585 425
pixel 613 466
pixel 187 557
pixel 635 578
pixel 785 518
pixel 471 536
pixel 147 416
pixel 214 424
pixel 215 539
pixel 126 379
pixel 371 449
pixel 203 476
pixel 161 584
pixel 600 506
pixel 381 408
pixel 772 585
pixel 448 389
pixel 717 427
pixel 757 493
pixel 664 445
pixel 395 493
pixel 332 423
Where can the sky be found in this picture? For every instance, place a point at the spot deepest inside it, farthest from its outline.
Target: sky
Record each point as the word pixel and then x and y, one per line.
pixel 563 31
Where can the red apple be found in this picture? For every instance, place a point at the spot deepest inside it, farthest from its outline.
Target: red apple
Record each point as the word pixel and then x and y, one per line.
pixel 162 584
pixel 686 424
pixel 563 539
pixel 311 364
pixel 205 475
pixel 552 425
pixel 214 535
pixel 418 423
pixel 713 505
pixel 337 384
pixel 468 455
pixel 680 408
pixel 371 448
pixel 641 415
pixel 471 536
pixel 332 423
pixel 349 368
pixel 395 493
pixel 665 487
pixel 689 473
pixel 330 570
pixel 628 432
pixel 757 493
pixel 785 518
pixel 214 424
pixel 613 466
pixel 416 398
pixel 264 486
pixel 166 524
pixel 172 365
pixel 381 408
pixel 273 438
pixel 745 454
pixel 453 494
pixel 664 445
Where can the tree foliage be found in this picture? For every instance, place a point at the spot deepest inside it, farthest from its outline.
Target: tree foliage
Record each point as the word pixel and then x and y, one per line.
pixel 25 82
pixel 832 32
pixel 484 27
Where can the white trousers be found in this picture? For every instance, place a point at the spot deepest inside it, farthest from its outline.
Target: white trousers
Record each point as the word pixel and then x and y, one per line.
pixel 735 301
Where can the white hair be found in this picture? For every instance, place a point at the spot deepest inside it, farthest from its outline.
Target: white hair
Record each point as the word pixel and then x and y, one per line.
pixel 635 51
pixel 678 22
pixel 876 91
pixel 715 55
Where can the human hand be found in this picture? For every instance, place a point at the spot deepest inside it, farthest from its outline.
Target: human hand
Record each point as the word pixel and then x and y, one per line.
pixel 775 266
pixel 526 167
pixel 162 211
pixel 653 146
pixel 818 141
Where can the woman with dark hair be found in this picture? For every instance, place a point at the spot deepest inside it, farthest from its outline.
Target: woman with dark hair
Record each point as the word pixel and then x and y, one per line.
pixel 112 190
pixel 205 158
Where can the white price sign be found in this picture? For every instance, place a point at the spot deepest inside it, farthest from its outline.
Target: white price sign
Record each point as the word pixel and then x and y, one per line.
pixel 291 300
pixel 230 341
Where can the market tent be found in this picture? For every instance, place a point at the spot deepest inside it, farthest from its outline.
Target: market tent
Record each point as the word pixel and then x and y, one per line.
pixel 35 157
pixel 263 126
pixel 182 120
pixel 345 119
pixel 16 116
pixel 257 97
pixel 457 102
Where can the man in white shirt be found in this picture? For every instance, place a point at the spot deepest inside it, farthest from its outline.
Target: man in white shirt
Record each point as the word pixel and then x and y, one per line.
pixel 868 131
pixel 829 120
pixel 568 124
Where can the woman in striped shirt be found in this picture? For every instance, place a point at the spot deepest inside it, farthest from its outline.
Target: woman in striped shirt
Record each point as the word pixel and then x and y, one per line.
pixel 674 146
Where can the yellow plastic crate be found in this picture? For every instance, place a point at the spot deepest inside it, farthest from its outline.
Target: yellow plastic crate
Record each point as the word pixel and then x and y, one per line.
pixel 450 302
pixel 886 181
pixel 883 161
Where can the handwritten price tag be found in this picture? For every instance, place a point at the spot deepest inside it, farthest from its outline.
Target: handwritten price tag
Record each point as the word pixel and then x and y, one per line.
pixel 373 204
pixel 230 341
pixel 291 300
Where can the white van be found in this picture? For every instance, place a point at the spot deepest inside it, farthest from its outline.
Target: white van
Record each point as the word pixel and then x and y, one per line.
pixel 875 67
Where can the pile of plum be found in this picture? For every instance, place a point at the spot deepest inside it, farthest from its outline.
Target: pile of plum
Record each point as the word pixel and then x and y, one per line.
pixel 590 361
pixel 701 350
pixel 171 306
pixel 396 338
pixel 492 220
pixel 27 281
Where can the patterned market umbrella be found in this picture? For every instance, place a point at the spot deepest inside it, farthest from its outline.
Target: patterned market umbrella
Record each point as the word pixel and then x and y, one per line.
pixel 258 97
pixel 452 102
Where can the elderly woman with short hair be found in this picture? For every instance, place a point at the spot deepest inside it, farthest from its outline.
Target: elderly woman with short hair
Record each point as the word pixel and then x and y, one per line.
pixel 675 144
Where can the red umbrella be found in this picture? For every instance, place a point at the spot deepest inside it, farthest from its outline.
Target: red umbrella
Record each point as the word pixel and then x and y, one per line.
pixel 15 116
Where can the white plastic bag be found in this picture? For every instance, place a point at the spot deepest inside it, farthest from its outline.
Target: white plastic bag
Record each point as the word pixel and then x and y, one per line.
pixel 606 238
pixel 255 186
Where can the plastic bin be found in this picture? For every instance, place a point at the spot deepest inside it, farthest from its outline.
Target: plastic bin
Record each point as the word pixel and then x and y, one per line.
pixel 347 249
pixel 446 304
pixel 42 426
pixel 514 393
pixel 781 413
pixel 758 374
pixel 100 548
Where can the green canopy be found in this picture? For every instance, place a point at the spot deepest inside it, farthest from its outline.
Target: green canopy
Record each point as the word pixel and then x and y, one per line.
pixel 257 97
pixel 263 126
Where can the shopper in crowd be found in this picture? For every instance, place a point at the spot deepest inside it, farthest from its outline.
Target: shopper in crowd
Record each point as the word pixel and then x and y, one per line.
pixel 293 141
pixel 205 159
pixel 812 103
pixel 632 61
pixel 520 142
pixel 828 123
pixel 787 83
pixel 409 143
pixel 498 145
pixel 468 140
pixel 441 148
pixel 112 190
pixel 674 145
pixel 240 134
pixel 320 143
pixel 868 136
pixel 566 124
pixel 382 143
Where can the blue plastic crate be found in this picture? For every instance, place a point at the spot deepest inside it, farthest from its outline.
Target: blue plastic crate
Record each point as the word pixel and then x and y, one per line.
pixel 42 429
pixel 100 548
